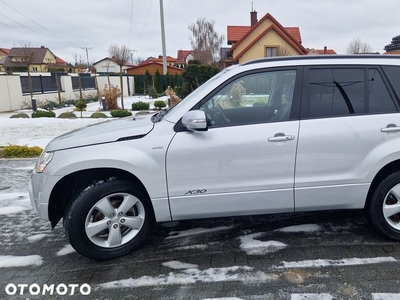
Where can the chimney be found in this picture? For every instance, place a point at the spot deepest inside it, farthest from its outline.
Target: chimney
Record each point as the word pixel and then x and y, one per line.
pixel 325 50
pixel 253 17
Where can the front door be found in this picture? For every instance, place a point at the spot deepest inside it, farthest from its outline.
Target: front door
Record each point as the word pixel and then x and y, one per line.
pixel 244 163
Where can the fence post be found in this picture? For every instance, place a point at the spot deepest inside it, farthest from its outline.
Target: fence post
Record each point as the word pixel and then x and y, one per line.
pixel 103 102
pixel 41 84
pixel 34 104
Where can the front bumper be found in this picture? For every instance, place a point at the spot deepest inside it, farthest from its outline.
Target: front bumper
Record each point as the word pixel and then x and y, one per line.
pixel 40 186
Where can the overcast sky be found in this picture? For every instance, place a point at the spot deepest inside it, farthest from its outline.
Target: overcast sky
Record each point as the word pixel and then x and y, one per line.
pixel 64 26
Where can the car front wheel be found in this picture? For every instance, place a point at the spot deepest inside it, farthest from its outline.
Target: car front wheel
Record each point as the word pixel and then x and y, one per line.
pixel 108 220
pixel 384 209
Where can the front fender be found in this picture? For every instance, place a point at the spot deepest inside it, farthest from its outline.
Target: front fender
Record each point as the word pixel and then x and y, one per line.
pixel 147 165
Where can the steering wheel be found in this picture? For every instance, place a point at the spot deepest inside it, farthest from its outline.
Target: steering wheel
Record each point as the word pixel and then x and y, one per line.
pixel 222 114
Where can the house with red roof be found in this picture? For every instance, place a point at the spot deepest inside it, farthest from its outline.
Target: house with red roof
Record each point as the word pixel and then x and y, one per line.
pixel 152 66
pixel 183 58
pixel 39 59
pixel 263 38
pixel 324 51
pixel 170 60
pixel 109 65
pixel 3 54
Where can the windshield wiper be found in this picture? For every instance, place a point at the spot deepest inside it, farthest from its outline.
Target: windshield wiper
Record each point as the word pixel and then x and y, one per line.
pixel 158 116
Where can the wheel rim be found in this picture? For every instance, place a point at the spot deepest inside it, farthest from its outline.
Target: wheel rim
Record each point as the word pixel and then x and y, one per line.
pixel 115 220
pixel 391 207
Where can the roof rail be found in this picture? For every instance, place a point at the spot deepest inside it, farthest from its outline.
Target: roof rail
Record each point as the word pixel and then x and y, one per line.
pixel 312 57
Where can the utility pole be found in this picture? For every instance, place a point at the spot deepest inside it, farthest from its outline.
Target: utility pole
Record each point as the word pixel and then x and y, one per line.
pixel 87 54
pixel 163 38
pixel 132 51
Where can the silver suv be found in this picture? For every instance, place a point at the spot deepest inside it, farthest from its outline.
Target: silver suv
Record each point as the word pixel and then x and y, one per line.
pixel 289 134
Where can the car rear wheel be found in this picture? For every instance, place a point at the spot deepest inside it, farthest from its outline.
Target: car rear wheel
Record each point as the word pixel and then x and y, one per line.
pixel 384 209
pixel 109 220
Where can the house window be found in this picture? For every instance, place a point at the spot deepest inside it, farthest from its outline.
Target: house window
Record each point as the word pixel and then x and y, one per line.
pixel 271 51
pixel 34 69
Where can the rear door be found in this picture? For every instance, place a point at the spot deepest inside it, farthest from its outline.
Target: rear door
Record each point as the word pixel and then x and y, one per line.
pixel 346 111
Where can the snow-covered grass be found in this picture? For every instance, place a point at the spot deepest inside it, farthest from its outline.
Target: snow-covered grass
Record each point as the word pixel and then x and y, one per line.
pixel 39 131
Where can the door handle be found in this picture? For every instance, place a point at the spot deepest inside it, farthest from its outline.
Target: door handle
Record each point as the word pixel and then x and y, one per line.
pixel 281 138
pixel 390 128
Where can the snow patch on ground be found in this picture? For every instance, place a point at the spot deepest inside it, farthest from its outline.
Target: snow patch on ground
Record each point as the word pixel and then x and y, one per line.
pixel 385 296
pixel 194 231
pixel 8 261
pixel 12 203
pixel 177 265
pixel 256 247
pixel 26 168
pixel 36 237
pixel 339 262
pixel 11 210
pixel 311 297
pixel 301 228
pixel 242 274
pixel 66 250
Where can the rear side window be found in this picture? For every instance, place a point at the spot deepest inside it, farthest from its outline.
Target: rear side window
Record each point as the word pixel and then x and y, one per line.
pixel 379 98
pixel 336 92
pixel 347 91
pixel 393 73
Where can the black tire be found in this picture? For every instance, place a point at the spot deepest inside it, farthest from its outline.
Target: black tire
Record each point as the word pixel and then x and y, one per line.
pixel 384 208
pixel 93 211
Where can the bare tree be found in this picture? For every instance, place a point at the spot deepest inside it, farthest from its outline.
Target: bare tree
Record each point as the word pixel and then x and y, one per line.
pixel 357 46
pixel 26 56
pixel 78 60
pixel 138 60
pixel 284 51
pixel 205 41
pixel 121 55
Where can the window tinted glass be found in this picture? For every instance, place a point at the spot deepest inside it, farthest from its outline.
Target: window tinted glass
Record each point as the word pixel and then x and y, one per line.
pixel 254 98
pixel 379 96
pixel 336 92
pixel 394 75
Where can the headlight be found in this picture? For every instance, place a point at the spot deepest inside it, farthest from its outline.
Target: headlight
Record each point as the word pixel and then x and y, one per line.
pixel 43 161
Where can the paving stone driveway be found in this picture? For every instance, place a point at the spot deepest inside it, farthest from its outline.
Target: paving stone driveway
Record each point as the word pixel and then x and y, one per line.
pixel 329 255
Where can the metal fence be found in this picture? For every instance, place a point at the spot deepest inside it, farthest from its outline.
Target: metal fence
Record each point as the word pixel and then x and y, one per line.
pixel 87 82
pixel 46 84
pixel 40 84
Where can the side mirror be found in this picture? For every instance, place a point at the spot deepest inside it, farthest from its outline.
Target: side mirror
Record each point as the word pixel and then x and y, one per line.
pixel 195 120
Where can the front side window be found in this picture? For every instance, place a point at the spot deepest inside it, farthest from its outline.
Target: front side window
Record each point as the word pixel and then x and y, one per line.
pixel 253 98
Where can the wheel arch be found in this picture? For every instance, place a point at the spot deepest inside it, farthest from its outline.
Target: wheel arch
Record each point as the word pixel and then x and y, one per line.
pixel 382 174
pixel 71 185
